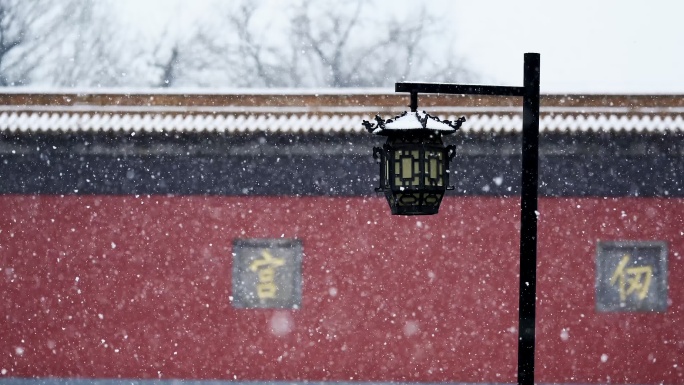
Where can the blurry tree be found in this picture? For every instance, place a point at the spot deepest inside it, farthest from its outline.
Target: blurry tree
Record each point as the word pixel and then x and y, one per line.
pixel 169 69
pixel 242 43
pixel 265 63
pixel 325 44
pixel 182 59
pixel 58 43
pixel 92 49
pixel 21 24
pixel 345 45
pixel 337 55
pixel 238 53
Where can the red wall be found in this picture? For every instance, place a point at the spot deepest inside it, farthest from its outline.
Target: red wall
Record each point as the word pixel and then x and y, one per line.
pixel 126 287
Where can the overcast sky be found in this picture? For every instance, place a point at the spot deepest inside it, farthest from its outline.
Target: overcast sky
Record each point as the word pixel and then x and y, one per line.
pixel 586 46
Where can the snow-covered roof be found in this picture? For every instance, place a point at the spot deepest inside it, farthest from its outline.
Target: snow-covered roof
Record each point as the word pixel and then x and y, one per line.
pixel 415 121
pixel 237 123
pixel 330 112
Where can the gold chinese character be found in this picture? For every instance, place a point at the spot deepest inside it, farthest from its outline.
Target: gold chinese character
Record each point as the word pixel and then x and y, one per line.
pixel 265 269
pixel 631 280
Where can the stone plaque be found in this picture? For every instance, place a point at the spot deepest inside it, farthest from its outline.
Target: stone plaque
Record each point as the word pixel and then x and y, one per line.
pixel 267 273
pixel 631 276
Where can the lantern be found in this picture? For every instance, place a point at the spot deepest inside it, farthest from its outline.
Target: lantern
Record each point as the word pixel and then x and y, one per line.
pixel 414 163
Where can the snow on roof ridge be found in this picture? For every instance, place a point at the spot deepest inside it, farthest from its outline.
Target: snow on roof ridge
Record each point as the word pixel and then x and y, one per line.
pixel 155 122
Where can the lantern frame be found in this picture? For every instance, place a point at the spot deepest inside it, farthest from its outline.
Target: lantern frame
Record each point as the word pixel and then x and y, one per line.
pixel 414 162
pixel 414 173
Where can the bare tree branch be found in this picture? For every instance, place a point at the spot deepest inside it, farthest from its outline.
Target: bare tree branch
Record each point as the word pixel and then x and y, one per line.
pixel 79 43
pixel 340 53
pixel 19 34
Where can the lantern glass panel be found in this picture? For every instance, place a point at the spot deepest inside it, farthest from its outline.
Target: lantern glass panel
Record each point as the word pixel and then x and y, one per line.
pixel 434 169
pixel 407 168
pixel 416 155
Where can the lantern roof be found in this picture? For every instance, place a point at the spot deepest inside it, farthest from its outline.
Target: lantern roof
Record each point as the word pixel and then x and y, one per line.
pixel 413 121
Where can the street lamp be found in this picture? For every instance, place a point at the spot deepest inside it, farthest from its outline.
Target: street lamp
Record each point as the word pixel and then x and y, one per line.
pixel 414 163
pixel 414 176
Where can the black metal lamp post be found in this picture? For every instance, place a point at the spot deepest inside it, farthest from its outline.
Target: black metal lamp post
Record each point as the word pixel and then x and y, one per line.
pixel 414 176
